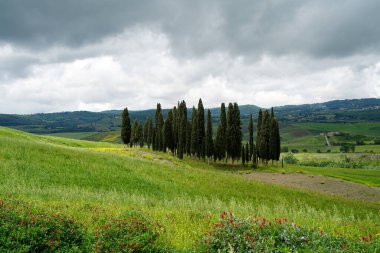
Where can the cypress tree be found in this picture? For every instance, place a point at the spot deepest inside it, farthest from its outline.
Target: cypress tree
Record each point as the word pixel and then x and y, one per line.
pixel 164 139
pixel 175 129
pixel 242 154
pixel 169 131
pixel 272 139
pixel 182 110
pixel 183 137
pixel 264 140
pixel 254 157
pixel 201 130
pixel 194 132
pixel 134 133
pixel 159 133
pixel 140 137
pixel 259 135
pixel 188 137
pixel 230 130
pixel 145 131
pixel 148 131
pixel 247 153
pixel 221 135
pixel 159 121
pixel 278 142
pixel 234 134
pixel 125 126
pixel 209 147
pixel 237 133
pixel 250 137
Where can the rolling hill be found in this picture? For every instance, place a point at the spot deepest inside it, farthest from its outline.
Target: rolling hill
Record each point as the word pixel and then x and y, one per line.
pixel 90 180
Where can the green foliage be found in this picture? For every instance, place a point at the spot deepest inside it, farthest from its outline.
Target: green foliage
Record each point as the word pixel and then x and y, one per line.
pixel 243 155
pixel 209 141
pixel 25 230
pixel 233 234
pixel 250 138
pixel 290 159
pixel 201 130
pixel 132 232
pixel 234 135
pixel 125 127
pixel 347 147
pixel 221 135
pixel 194 132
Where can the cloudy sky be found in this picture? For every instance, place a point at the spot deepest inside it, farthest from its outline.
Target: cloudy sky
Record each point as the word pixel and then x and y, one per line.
pixel 107 54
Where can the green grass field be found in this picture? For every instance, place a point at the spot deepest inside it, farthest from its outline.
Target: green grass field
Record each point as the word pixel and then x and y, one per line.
pixel 91 179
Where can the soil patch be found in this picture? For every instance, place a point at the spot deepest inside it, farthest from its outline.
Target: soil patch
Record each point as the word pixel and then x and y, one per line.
pixel 321 184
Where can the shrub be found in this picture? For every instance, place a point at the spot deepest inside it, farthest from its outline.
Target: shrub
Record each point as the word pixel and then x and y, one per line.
pixel 304 150
pixel 129 233
pixel 24 230
pixel 285 149
pixel 260 235
pixel 294 151
pixel 290 159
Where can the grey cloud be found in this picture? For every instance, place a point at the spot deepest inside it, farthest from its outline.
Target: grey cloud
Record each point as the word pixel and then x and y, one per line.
pixel 244 27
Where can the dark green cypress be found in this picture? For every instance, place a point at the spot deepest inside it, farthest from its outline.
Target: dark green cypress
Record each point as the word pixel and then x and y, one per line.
pixel 250 137
pixel 230 130
pixel 188 137
pixel 234 134
pixel 164 139
pixel 134 136
pixel 182 110
pixel 247 153
pixel 148 131
pixel 242 154
pixel 169 132
pixel 221 135
pixel 265 132
pixel 201 130
pixel 145 131
pixel 140 137
pixel 254 157
pixel 209 148
pixel 272 153
pixel 259 135
pixel 278 142
pixel 159 121
pixel 125 127
pixel 160 142
pixel 175 129
pixel 236 147
pixel 194 132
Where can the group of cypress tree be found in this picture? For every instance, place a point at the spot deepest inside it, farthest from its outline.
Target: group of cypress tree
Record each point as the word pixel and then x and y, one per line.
pixel 195 137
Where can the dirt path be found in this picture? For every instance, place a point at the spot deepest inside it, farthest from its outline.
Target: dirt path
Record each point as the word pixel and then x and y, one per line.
pixel 321 184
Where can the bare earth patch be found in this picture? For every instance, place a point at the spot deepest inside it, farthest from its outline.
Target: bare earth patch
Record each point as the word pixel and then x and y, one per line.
pixel 321 184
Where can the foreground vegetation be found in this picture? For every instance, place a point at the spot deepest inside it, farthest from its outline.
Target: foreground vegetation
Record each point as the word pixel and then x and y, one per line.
pixel 93 181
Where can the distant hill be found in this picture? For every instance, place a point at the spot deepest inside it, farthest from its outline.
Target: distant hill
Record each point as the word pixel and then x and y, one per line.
pixel 350 110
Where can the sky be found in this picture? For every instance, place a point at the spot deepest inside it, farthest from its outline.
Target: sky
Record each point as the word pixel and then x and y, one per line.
pixel 100 55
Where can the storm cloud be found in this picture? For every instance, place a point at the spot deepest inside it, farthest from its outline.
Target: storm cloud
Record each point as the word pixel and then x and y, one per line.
pixel 98 55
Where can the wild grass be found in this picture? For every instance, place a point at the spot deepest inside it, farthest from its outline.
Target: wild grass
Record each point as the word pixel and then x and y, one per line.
pixel 89 180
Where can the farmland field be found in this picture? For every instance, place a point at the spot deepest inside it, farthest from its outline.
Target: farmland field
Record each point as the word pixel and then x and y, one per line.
pixel 91 179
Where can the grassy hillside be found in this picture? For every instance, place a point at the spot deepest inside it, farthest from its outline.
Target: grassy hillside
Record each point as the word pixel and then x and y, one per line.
pixel 90 179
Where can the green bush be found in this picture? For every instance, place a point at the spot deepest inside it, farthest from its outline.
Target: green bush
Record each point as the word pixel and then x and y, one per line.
pixel 129 233
pixel 290 159
pixel 24 230
pixel 260 235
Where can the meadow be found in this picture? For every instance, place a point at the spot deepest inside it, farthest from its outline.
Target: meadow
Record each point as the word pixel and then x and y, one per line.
pixel 90 180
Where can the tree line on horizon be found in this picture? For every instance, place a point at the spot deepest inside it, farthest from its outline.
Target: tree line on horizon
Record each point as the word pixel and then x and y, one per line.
pixel 194 137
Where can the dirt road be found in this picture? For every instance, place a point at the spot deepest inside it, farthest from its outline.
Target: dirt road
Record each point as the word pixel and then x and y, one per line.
pixel 320 184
